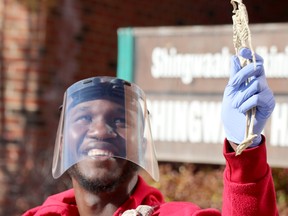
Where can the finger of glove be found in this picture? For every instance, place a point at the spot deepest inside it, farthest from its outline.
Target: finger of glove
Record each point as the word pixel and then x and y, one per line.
pixel 245 73
pixel 264 101
pixel 235 66
pixel 247 54
pixel 242 96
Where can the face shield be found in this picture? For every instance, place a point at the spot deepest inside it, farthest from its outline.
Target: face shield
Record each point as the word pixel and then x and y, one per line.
pixel 104 117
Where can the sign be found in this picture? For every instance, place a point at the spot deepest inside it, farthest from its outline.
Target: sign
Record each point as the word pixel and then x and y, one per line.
pixel 184 71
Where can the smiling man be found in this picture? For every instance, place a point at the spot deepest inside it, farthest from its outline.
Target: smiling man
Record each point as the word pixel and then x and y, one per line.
pixel 104 137
pixel 102 141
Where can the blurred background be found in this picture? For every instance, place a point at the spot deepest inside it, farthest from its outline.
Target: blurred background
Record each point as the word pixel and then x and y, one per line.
pixel 46 45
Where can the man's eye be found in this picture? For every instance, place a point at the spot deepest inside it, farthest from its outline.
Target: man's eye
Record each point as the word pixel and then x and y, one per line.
pixel 84 119
pixel 120 122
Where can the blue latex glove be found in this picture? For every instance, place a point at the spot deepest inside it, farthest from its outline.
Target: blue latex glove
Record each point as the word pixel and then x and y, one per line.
pixel 239 98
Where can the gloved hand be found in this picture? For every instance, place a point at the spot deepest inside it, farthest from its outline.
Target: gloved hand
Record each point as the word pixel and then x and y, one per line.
pixel 239 98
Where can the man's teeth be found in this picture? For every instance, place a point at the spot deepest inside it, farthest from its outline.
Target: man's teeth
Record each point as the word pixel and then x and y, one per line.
pixel 99 152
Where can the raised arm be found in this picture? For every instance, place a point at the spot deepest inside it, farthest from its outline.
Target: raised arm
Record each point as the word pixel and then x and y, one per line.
pixel 248 183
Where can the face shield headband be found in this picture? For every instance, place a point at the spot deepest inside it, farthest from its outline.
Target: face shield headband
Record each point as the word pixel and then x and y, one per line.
pixel 104 117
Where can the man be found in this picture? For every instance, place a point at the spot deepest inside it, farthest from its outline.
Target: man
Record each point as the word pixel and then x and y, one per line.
pixel 104 136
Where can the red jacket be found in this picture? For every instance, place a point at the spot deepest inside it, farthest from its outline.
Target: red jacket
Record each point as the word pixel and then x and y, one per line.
pixel 248 190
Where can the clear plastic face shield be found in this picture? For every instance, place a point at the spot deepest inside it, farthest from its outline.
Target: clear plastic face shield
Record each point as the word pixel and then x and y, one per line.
pixel 104 117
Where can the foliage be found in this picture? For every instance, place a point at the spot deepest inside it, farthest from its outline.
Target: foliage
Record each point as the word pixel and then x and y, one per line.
pixel 280 176
pixel 203 184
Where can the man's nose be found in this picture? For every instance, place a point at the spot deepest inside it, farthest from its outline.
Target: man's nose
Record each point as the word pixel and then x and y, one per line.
pixel 101 130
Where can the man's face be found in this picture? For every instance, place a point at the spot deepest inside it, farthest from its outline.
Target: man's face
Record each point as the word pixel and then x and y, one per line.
pixel 96 131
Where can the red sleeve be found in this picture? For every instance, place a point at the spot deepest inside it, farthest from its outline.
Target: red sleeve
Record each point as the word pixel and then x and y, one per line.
pixel 248 183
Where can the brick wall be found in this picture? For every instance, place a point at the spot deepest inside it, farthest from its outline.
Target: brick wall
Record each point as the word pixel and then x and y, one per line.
pixel 46 46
